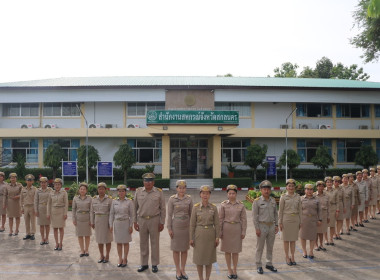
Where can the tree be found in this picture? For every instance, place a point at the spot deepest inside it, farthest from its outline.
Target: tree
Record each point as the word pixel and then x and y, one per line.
pixel 367 19
pixel 307 72
pixel 125 158
pixel 20 168
pixel 323 68
pixel 293 160
pixel 322 159
pixel 53 157
pixel 93 158
pixel 255 157
pixel 366 156
pixel 287 70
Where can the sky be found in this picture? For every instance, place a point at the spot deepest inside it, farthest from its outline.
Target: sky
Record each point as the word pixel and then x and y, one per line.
pixel 53 39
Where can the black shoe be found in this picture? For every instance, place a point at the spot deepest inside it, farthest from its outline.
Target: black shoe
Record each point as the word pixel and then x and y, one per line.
pixel 101 261
pixel 361 225
pixel 82 255
pixel 366 221
pixel 356 225
pixel 121 265
pixel 26 237
pixel 322 248
pixel 311 257
pixel 235 276
pixel 260 270
pixel 186 277
pixel 180 277
pixel 271 268
pixel 142 268
pixel 294 263
pixel 154 268
pixel 289 263
pixel 42 243
pixel 354 229
pixel 86 254
pixel 32 237
pixel 332 243
pixel 348 233
pixel 304 256
pixel 317 249
pixel 229 276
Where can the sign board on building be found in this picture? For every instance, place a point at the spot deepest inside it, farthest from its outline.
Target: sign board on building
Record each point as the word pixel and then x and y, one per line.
pixel 192 117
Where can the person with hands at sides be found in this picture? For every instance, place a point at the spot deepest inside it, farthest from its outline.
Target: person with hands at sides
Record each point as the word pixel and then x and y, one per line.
pixel 324 215
pixel 11 202
pixel 265 220
pixel 27 207
pixel 40 207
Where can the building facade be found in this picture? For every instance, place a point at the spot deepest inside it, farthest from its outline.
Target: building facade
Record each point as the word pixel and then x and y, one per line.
pixel 189 126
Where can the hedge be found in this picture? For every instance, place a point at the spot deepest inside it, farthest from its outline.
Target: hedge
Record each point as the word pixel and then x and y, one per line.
pixel 239 182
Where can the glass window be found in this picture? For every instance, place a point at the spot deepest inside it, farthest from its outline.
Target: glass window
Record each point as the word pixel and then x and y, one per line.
pixel 377 110
pixel 244 109
pixel 307 148
pixel 140 108
pixel 234 150
pixel 146 150
pixel 313 110
pixel 352 111
pixel 69 146
pixel 378 149
pixel 347 148
pixel 28 148
pixel 61 109
pixel 21 109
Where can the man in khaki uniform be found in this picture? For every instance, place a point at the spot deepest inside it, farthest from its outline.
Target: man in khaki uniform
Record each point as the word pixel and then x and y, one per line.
pixel 3 212
pixel 27 207
pixel 149 220
pixel 265 220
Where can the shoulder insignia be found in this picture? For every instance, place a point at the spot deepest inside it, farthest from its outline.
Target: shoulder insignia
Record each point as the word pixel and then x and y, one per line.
pixel 159 189
pixel 213 204
pixel 172 196
pixel 225 201
pixel 129 198
pixel 110 196
pixel 196 204
pixel 188 195
pixel 95 196
pixel 238 201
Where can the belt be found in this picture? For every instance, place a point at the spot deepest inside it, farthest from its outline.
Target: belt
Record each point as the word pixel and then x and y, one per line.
pixel 232 222
pixel 267 223
pixel 206 226
pixel 28 205
pixel 58 206
pixel 99 214
pixel 182 217
pixel 122 219
pixel 83 212
pixel 43 203
pixel 148 217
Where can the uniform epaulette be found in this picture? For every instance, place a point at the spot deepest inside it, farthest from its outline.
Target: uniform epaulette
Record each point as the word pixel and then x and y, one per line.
pixel 173 196
pixel 188 195
pixel 225 201
pixel 95 196
pixel 159 189
pixel 197 204
pixel 110 196
pixel 257 198
pixel 129 198
pixel 240 202
pixel 213 204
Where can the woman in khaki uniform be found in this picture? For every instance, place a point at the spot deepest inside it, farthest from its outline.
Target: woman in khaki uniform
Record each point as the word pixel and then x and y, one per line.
pixel 233 227
pixel 341 208
pixel 57 208
pixel 333 209
pixel 375 193
pixel 349 201
pixel 354 212
pixel 289 219
pixel 81 218
pixel 204 232
pixel 12 194
pixel 311 218
pixel 370 187
pixel 120 222
pixel 324 215
pixel 40 207
pixel 3 212
pixel 179 212
pixel 100 212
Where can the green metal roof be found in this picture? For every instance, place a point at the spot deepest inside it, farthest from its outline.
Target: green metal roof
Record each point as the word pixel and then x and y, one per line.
pixel 169 82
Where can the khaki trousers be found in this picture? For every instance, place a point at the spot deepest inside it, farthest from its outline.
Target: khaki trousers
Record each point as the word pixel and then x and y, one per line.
pixel 267 236
pixel 149 230
pixel 30 219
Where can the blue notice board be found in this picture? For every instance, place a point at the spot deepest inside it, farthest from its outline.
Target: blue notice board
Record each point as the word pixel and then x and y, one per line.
pixel 271 170
pixel 105 169
pixel 69 168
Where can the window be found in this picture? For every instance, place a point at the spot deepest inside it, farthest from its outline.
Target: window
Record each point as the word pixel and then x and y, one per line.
pixel 349 147
pixel 378 149
pixel 146 150
pixel 234 150
pixel 21 110
pixel 244 109
pixel 28 148
pixel 306 148
pixel 140 108
pixel 352 110
pixel 377 110
pixel 69 146
pixel 313 110
pixel 61 109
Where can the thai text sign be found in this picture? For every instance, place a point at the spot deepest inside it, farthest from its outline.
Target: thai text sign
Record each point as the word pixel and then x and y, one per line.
pixel 192 117
pixel 69 168
pixel 105 169
pixel 271 169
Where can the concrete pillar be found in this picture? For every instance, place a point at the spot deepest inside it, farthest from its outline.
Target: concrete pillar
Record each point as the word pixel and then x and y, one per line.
pixel 40 153
pixel 165 157
pixel 217 158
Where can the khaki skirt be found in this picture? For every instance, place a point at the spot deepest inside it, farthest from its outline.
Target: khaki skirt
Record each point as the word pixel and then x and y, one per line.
pixel 83 227
pixel 2 210
pixel 231 242
pixel 57 219
pixel 361 206
pixel 308 229
pixel 332 216
pixel 14 208
pixel 340 214
pixel 204 246
pixel 102 231
pixel 41 219
pixel 373 201
pixel 121 231
pixel 323 227
pixel 291 227
pixel 181 238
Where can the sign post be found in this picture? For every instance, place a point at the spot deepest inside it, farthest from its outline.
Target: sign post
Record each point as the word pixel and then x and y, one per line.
pixel 271 168
pixel 69 169
pixel 104 169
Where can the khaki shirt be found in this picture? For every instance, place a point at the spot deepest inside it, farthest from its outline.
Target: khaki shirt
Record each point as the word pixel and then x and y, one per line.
pixel 311 208
pixel 3 185
pixel 179 209
pixel 376 183
pixel 149 204
pixel 355 189
pixel 233 213
pixel 204 216
pixel 81 206
pixel 41 197
pixel 11 191
pixel 368 181
pixel 340 195
pixel 291 205
pixel 27 196
pixel 264 211
pixel 58 200
pixel 323 202
pixel 100 207
pixel 121 210
pixel 363 189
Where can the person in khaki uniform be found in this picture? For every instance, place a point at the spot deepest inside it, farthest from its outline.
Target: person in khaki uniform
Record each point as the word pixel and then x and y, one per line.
pixel 27 207
pixel 349 202
pixel 289 219
pixel 3 212
pixel 204 232
pixel 265 220
pixel 57 208
pixel 368 182
pixel 100 211
pixel 324 215
pixel 149 220
pixel 364 195
pixel 378 198
pixel 375 193
pixel 332 194
pixel 81 218
pixel 11 202
pixel 354 212
pixel 233 227
pixel 120 222
pixel 40 207
pixel 341 207
pixel 179 212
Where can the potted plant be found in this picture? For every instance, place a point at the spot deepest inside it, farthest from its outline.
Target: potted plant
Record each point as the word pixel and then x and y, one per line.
pixel 231 170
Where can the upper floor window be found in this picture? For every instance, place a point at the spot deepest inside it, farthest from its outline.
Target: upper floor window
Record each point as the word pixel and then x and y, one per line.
pixel 378 149
pixel 377 110
pixel 140 108
pixel 307 148
pixel 244 109
pixel 313 110
pixel 352 110
pixel 21 110
pixel 61 109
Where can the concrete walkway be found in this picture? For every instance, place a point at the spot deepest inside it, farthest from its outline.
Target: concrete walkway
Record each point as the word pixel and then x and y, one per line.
pixel 355 257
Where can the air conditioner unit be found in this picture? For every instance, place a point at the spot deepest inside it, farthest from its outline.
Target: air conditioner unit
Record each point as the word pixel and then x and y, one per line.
pixel 324 126
pixel 29 125
pixel 284 126
pixel 50 126
pixel 363 126
pixel 110 125
pixel 133 125
pixel 304 126
pixel 95 125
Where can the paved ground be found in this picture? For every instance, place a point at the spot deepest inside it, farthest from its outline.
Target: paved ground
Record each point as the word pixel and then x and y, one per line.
pixel 355 257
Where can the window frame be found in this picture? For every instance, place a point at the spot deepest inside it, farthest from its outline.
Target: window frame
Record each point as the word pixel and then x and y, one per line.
pixel 73 108
pixel 148 106
pixel 20 108
pixel 234 151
